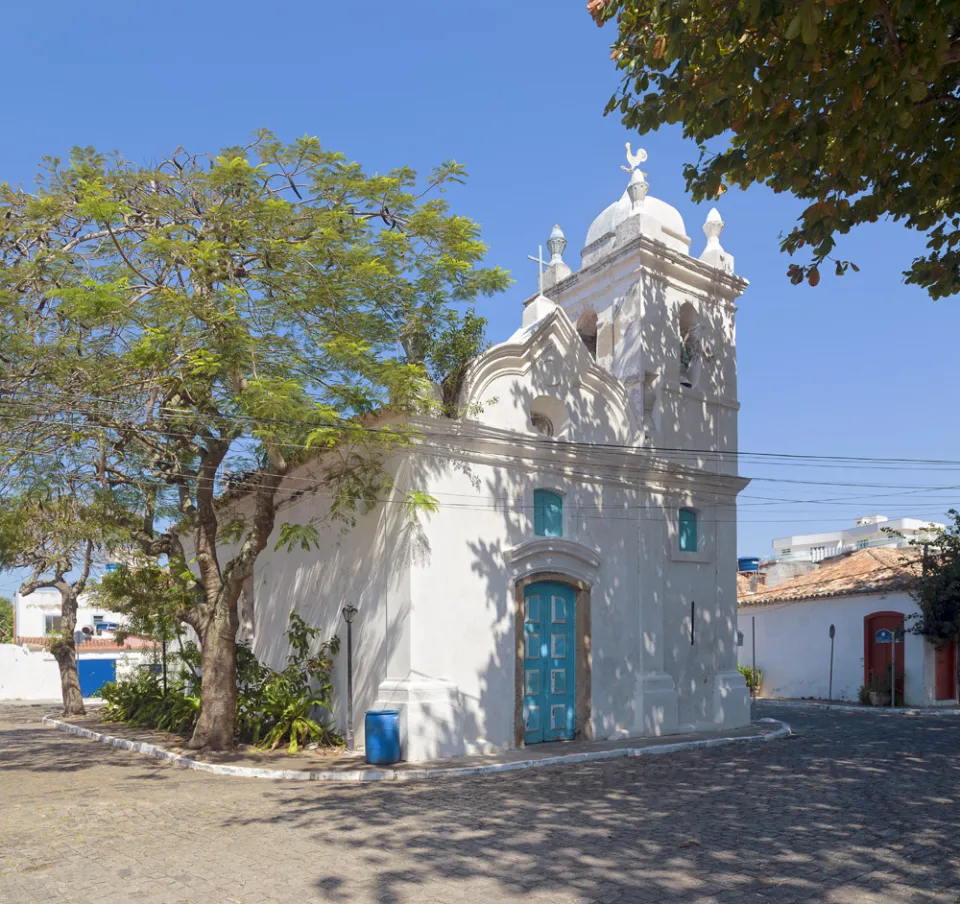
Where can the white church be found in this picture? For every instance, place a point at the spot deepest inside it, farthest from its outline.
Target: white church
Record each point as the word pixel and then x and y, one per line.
pixel 578 578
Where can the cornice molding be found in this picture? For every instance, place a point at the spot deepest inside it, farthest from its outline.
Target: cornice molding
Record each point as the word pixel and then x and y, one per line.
pixel 629 467
pixel 554 554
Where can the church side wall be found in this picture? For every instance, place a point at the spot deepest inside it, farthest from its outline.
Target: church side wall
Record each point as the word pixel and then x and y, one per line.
pixel 366 565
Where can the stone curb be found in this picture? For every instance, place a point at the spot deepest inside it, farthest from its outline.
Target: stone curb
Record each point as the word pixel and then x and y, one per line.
pixel 380 775
pixel 868 710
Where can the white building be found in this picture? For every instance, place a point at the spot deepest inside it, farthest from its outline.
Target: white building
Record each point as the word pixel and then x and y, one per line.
pixel 573 581
pixel 863 595
pixel 38 614
pixel 869 532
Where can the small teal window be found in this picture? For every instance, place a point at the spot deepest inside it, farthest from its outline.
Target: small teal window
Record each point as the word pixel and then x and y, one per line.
pixel 688 530
pixel 547 514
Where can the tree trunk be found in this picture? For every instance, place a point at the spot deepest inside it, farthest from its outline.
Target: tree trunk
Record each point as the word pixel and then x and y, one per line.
pixel 64 650
pixel 218 687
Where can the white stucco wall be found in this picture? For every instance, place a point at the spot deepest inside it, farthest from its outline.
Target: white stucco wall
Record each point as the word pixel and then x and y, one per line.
pixel 641 594
pixel 34 675
pixel 436 596
pixel 793 647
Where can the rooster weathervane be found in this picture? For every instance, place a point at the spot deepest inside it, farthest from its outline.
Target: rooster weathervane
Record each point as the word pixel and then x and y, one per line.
pixel 635 160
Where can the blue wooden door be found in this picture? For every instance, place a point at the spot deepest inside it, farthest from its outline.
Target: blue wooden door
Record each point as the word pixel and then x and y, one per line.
pixel 549 666
pixel 94 674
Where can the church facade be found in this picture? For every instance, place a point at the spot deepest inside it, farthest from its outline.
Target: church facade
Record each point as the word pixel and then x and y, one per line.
pixel 578 578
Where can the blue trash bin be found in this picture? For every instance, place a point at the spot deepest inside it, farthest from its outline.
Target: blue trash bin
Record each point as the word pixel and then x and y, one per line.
pixel 382 729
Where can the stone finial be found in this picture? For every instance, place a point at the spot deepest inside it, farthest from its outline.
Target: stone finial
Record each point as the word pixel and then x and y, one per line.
pixel 555 245
pixel 714 254
pixel 556 269
pixel 638 188
pixel 713 227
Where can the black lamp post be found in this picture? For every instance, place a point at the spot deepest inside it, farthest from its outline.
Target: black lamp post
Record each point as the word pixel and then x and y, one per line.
pixel 349 614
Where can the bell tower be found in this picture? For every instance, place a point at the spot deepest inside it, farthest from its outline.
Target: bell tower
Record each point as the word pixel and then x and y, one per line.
pixel 656 317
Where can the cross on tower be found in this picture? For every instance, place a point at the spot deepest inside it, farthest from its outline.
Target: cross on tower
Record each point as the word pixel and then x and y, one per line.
pixel 539 260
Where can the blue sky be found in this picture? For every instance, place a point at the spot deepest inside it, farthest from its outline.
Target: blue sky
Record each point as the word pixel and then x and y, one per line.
pixel 860 366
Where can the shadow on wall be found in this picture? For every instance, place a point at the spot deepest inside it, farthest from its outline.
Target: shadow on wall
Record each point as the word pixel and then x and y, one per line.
pixel 771 822
pixel 366 565
pixel 372 563
pixel 614 638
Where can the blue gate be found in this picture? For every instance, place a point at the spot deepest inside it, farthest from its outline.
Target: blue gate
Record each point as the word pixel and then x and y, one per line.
pixel 549 667
pixel 95 673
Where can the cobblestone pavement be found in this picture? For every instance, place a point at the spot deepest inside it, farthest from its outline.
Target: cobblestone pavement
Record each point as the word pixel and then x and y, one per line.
pixel 855 808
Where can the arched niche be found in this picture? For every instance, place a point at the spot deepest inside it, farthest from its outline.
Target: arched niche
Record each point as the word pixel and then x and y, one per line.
pixel 690 346
pixel 548 416
pixel 587 331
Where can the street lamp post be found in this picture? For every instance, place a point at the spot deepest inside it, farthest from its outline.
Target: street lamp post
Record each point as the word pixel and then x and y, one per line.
pixel 349 613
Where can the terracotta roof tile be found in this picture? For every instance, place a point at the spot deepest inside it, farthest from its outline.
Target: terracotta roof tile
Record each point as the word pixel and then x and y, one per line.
pixel 877 570
pixel 97 644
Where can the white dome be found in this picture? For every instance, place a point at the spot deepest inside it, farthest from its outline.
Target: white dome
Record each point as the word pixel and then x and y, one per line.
pixel 668 217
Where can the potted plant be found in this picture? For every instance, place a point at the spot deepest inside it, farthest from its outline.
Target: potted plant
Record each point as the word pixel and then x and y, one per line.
pixel 878 690
pixel 748 676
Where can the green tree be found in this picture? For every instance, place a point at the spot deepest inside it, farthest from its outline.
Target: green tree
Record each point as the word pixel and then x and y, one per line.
pixel 851 106
pixel 55 535
pixel 937 590
pixel 205 323
pixel 6 620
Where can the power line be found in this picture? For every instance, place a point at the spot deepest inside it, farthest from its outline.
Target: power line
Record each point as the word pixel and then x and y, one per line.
pixel 777 457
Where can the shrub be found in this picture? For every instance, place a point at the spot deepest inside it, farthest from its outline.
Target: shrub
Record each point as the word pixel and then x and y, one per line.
pixel 747 673
pixel 282 704
pixel 273 708
pixel 140 700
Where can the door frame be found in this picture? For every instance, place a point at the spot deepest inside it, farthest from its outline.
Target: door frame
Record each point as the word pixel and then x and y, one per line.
pixel 950 654
pixel 868 642
pixel 582 724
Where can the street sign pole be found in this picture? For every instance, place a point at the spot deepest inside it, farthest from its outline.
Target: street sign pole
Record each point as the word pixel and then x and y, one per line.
pixel 833 634
pixel 893 669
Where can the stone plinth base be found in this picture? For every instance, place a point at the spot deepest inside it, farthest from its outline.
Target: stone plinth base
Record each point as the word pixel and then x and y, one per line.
pixel 657 705
pixel 731 700
pixel 431 718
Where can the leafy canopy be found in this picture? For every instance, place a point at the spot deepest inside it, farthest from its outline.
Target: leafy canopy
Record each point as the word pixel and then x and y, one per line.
pixel 937 590
pixel 201 325
pixel 6 620
pixel 852 105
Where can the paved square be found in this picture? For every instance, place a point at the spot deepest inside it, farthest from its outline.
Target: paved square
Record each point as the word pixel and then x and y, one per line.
pixel 856 808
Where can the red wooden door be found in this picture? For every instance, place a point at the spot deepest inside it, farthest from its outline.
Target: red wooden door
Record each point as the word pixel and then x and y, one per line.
pixel 876 655
pixel 946 675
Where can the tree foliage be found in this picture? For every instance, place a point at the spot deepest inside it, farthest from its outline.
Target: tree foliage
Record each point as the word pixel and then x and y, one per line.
pixel 937 590
pixel 851 105
pixel 6 620
pixel 202 325
pixel 55 527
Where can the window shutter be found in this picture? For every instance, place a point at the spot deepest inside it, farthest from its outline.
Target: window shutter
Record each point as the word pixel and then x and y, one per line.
pixel 688 530
pixel 547 514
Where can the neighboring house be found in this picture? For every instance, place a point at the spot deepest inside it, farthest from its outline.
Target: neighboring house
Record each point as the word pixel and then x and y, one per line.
pixel 569 584
pixel 38 614
pixel 29 672
pixel 864 595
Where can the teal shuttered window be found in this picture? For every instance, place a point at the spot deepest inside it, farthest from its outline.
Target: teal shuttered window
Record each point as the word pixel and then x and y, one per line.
pixel 547 514
pixel 688 530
